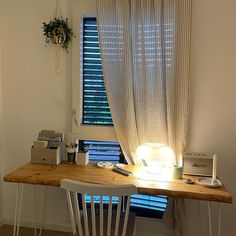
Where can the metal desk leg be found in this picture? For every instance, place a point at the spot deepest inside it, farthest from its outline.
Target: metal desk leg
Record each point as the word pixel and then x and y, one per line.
pixel 19 197
pixel 36 210
pixel 219 219
pixel 210 219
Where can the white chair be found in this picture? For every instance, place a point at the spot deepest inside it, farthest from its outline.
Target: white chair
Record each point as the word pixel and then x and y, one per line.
pixel 99 222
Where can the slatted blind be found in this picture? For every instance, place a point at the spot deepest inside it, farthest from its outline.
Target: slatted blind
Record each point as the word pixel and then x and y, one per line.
pixel 95 105
pixel 103 151
pixel 149 206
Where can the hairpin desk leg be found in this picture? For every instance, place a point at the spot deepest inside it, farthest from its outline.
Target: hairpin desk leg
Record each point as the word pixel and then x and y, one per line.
pixel 19 197
pixel 36 211
pixel 43 210
pixel 210 219
pixel 219 220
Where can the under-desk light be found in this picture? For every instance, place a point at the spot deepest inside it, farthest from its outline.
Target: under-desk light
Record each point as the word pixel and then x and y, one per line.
pixel 156 156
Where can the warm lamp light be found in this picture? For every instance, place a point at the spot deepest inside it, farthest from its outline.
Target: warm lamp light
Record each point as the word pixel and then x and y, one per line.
pixel 156 156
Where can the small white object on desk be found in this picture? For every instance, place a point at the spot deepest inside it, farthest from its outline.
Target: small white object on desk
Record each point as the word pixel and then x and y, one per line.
pixel 105 164
pixel 209 182
pixel 214 168
pixel 82 158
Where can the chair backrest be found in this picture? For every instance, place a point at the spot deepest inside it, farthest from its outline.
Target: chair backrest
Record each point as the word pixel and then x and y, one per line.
pixel 74 187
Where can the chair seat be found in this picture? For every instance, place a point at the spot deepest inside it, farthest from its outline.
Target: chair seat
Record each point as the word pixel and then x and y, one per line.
pixel 130 226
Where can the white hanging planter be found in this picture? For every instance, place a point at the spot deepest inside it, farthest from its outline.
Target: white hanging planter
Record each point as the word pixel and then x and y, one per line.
pixel 58 32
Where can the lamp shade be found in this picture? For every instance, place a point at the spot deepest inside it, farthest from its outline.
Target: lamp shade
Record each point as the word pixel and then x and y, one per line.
pixel 156 154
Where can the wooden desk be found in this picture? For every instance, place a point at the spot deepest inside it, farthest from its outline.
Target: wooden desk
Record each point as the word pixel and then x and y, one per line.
pixel 51 175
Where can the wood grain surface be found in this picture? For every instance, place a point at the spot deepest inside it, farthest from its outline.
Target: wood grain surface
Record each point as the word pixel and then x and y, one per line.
pixel 51 175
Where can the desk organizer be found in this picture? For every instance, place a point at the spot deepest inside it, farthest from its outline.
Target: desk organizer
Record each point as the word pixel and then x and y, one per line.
pixel 47 155
pixel 82 158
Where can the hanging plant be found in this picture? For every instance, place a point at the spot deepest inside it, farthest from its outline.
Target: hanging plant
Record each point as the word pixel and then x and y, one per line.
pixel 57 31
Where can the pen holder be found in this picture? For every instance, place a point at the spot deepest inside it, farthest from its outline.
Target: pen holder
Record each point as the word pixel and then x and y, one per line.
pixel 82 158
pixel 71 154
pixel 177 172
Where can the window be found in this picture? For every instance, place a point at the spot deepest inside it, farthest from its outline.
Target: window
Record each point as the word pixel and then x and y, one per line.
pixel 95 105
pixel 95 111
pixel 104 151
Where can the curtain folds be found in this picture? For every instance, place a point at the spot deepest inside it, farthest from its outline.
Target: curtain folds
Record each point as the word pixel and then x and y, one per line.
pixel 145 50
pixel 145 46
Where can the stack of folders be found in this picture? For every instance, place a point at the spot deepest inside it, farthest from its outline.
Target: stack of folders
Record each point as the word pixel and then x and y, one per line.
pixel 50 137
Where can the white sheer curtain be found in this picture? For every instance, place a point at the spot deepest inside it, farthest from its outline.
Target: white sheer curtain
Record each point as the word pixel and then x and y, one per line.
pixel 145 47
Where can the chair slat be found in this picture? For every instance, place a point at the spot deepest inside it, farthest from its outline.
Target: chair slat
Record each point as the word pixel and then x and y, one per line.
pixel 109 216
pixel 93 216
pixel 85 215
pixel 72 218
pixel 77 213
pixel 126 216
pixel 118 216
pixel 101 215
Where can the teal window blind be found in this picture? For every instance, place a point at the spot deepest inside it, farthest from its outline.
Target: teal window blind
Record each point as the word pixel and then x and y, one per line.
pixel 95 105
pixel 104 151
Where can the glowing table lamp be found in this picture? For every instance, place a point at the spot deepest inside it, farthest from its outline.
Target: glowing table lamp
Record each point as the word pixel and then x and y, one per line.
pixel 156 156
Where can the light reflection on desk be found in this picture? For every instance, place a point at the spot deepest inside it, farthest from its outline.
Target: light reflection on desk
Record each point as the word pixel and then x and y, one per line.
pixel 166 174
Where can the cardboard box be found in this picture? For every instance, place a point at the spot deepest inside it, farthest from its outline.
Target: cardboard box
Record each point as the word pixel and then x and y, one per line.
pixel 48 156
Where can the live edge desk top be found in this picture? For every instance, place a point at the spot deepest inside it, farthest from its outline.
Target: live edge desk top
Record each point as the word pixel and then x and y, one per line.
pixel 51 175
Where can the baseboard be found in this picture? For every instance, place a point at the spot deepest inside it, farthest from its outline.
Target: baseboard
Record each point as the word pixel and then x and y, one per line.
pixel 143 229
pixel 142 233
pixel 48 226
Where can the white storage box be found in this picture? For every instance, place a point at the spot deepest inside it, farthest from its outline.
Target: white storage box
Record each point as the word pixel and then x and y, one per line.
pixel 197 164
pixel 48 156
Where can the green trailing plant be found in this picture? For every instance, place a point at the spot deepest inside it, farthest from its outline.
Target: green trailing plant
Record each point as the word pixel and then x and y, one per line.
pixel 57 31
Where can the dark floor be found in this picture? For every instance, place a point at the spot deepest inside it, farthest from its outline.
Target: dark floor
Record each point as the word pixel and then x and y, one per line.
pixel 7 230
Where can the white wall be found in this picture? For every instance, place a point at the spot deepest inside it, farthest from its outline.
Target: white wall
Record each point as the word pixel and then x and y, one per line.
pixel 35 97
pixel 213 108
